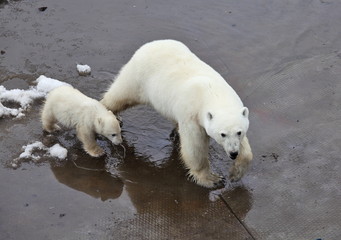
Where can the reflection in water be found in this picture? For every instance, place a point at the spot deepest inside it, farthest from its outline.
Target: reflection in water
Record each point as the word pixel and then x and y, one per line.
pixel 167 204
pixel 239 200
pixel 92 180
pixel 83 172
pixel 152 187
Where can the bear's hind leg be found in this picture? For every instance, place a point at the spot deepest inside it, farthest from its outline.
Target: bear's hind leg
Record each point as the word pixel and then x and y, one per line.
pixel 88 138
pixel 242 162
pixel 194 151
pixel 48 120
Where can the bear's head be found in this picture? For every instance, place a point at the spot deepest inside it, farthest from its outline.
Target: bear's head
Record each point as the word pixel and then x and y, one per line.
pixel 228 128
pixel 108 126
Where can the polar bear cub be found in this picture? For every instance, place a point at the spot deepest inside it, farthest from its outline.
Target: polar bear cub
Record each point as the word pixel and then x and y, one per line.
pixel 168 76
pixel 73 109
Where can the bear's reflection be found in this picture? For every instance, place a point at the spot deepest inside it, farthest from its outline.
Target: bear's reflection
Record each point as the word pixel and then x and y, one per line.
pixel 152 186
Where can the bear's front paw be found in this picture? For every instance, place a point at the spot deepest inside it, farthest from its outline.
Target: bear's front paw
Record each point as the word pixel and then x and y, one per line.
pixel 208 179
pixel 221 183
pixel 237 172
pixel 95 151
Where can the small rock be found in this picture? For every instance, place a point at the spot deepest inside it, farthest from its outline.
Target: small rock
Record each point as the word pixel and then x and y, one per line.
pixel 42 9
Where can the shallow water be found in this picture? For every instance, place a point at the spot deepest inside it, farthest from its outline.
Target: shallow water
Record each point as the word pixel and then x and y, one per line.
pixel 283 59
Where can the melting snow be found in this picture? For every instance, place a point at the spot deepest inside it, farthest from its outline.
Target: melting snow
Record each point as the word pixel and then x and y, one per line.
pixel 45 84
pixel 28 150
pixel 56 151
pixel 83 69
pixel 4 111
pixel 25 97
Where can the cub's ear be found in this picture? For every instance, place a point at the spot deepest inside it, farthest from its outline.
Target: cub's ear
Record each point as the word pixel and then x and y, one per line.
pixel 245 112
pixel 209 116
pixel 100 121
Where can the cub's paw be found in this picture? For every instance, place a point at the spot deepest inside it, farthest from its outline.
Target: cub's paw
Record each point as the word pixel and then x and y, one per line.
pixel 56 128
pixel 95 151
pixel 52 128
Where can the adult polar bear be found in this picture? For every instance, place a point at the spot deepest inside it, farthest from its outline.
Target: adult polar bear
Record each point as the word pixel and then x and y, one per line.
pixel 169 77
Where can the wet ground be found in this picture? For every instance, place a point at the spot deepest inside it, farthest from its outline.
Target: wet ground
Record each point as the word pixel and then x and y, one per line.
pixel 282 57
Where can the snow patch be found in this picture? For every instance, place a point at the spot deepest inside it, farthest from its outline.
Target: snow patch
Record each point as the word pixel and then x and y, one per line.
pixel 45 84
pixel 5 111
pixel 56 151
pixel 28 150
pixel 25 97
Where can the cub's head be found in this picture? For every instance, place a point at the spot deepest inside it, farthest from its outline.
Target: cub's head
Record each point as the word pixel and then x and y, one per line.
pixel 228 129
pixel 109 127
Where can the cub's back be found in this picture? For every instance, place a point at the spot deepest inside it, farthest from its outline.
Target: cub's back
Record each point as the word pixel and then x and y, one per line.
pixel 67 96
pixel 70 106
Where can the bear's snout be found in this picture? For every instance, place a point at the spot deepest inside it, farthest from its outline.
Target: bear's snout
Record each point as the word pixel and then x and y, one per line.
pixel 233 155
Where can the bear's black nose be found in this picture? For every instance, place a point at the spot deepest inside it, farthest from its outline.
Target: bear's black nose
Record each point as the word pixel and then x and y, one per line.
pixel 233 155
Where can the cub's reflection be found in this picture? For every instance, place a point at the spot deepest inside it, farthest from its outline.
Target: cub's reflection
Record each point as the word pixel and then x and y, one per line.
pixel 88 175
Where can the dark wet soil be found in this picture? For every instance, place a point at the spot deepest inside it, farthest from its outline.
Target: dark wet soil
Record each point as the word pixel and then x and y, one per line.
pixel 283 58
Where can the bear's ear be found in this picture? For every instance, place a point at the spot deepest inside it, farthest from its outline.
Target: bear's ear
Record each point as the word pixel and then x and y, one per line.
pixel 209 116
pixel 245 112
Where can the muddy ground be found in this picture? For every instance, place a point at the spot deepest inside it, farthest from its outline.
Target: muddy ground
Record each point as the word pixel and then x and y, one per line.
pixel 282 57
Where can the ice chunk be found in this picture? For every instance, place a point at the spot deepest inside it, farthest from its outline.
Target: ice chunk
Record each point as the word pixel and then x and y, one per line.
pixel 83 70
pixel 57 151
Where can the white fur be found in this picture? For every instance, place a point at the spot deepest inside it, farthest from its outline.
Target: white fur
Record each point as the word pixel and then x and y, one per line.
pixel 169 77
pixel 73 109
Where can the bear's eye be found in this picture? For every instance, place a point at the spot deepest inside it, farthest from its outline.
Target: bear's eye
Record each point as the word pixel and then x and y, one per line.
pixel 239 133
pixel 223 135
pixel 114 135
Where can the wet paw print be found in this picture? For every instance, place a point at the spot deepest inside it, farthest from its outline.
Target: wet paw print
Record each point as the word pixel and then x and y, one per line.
pixel 275 156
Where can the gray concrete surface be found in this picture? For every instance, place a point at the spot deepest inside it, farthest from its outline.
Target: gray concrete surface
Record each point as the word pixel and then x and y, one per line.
pixel 282 57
